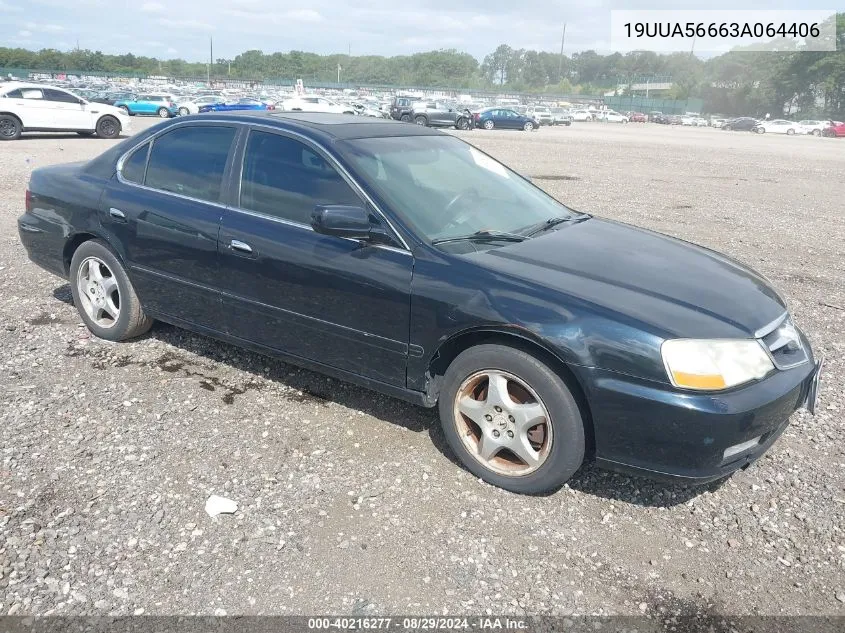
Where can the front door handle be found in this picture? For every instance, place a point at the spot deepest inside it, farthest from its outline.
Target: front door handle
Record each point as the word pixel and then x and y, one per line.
pixel 117 214
pixel 240 246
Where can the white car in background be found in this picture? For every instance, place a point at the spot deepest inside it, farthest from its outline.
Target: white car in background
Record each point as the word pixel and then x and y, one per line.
pixel 778 126
pixel 192 106
pixel 41 108
pixel 582 115
pixel 717 123
pixel 611 116
pixel 542 114
pixel 813 127
pixel 700 121
pixel 315 104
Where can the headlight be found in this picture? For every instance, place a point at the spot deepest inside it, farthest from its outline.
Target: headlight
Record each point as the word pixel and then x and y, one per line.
pixel 714 364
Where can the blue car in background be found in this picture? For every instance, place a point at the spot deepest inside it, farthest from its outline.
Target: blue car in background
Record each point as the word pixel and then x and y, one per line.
pixel 240 104
pixel 163 106
pixel 505 119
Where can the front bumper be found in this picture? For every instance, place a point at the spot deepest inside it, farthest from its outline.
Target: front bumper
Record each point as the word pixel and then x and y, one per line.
pixel 651 429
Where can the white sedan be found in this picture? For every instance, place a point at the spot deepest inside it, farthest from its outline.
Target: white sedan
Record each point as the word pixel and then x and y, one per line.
pixel 40 108
pixel 193 106
pixel 778 126
pixel 611 116
pixel 813 127
pixel 307 103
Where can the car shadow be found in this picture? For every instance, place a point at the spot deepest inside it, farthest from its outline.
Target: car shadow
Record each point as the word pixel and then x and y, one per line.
pixel 304 385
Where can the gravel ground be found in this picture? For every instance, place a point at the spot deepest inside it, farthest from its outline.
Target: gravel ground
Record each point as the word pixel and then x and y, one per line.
pixel 349 502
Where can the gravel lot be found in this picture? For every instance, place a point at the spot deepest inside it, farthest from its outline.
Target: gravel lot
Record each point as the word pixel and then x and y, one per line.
pixel 349 502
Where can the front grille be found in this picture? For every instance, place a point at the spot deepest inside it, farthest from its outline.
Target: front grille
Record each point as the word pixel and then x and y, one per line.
pixel 785 345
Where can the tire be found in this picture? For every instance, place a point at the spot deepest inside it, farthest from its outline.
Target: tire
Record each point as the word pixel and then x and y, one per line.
pixel 126 110
pixel 489 125
pixel 726 128
pixel 817 132
pixel 790 132
pixel 420 120
pixel 462 124
pixel 528 127
pixel 10 128
pixel 760 130
pixel 99 314
pixel 108 127
pixel 163 113
pixel 555 444
pixel 184 111
pixel 405 118
pixel 568 123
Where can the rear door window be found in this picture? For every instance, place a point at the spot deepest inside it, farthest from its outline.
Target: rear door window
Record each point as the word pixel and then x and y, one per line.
pixel 135 165
pixel 190 161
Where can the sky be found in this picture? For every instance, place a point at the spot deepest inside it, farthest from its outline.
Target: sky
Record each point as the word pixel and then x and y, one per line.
pixel 168 29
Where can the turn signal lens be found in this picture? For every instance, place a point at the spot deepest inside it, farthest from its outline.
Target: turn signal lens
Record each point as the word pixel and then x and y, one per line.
pixel 711 365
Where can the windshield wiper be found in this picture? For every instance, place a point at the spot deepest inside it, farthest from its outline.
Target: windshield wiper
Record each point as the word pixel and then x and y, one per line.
pixel 545 225
pixel 481 236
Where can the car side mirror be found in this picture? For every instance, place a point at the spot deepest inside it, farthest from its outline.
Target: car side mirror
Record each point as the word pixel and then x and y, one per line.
pixel 347 221
pixel 82 102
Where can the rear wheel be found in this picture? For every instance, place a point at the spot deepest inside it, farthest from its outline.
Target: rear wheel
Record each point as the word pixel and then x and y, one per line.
pixel 790 132
pixel 817 132
pixel 420 120
pixel 10 128
pixel 760 130
pixel 463 124
pixel 511 419
pixel 163 113
pixel 108 127
pixel 488 124
pixel 405 118
pixel 727 127
pixel 103 294
pixel 183 111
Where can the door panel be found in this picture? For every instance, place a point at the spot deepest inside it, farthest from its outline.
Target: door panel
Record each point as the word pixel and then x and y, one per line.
pixel 323 298
pixel 66 113
pixel 33 107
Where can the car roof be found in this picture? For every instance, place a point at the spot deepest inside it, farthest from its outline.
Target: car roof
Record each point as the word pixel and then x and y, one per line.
pixel 325 125
pixel 14 85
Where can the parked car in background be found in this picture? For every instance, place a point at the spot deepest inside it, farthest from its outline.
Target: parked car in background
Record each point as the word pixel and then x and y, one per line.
pixel 662 119
pixel 402 108
pixel 610 116
pixel 393 257
pixel 687 120
pixel 561 116
pixel 743 123
pixel 109 98
pixel 192 106
pixel 582 115
pixel 837 129
pixel 717 122
pixel 675 119
pixel 655 114
pixel 541 114
pixel 777 126
pixel 505 119
pixel 39 108
pixel 311 103
pixel 638 117
pixel 163 106
pixel 439 114
pixel 237 104
pixel 363 109
pixel 812 127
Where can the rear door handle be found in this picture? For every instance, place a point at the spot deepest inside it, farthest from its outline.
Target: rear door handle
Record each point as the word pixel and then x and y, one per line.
pixel 240 246
pixel 117 214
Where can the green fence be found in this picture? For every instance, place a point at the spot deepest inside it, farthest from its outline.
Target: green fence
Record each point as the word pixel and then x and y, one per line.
pixel 635 103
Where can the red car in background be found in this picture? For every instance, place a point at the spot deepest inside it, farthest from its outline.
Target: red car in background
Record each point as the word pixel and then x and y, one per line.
pixel 837 129
pixel 637 117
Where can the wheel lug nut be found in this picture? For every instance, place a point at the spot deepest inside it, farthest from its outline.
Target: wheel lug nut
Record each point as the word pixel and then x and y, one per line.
pixel 488 417
pixel 510 417
pixel 498 409
pixel 496 434
pixel 510 434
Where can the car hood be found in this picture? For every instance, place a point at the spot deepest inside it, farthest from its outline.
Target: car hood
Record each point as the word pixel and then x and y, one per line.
pixel 677 288
pixel 104 108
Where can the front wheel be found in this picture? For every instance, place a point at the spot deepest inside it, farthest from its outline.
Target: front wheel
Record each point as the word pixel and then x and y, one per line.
pixel 528 127
pixel 760 130
pixel 511 419
pixel 727 128
pixel 790 132
pixel 463 124
pixel 183 111
pixel 488 125
pixel 108 127
pixel 163 113
pixel 405 118
pixel 103 294
pixel 420 120
pixel 817 132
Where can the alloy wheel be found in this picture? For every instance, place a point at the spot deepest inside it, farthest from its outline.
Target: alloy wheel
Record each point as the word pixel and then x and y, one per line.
pixel 8 128
pixel 98 292
pixel 503 423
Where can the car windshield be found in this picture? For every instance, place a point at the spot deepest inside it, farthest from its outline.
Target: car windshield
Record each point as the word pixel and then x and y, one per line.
pixel 444 187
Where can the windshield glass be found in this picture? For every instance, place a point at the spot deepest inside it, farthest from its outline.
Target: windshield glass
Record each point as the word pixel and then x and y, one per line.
pixel 444 187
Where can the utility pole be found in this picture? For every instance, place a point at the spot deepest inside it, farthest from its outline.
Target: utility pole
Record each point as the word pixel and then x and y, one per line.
pixel 210 57
pixel 560 64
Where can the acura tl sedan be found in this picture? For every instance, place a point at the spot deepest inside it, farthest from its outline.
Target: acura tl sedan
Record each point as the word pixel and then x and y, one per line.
pixel 405 260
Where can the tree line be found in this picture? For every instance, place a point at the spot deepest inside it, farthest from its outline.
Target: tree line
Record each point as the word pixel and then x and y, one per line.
pixel 738 82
